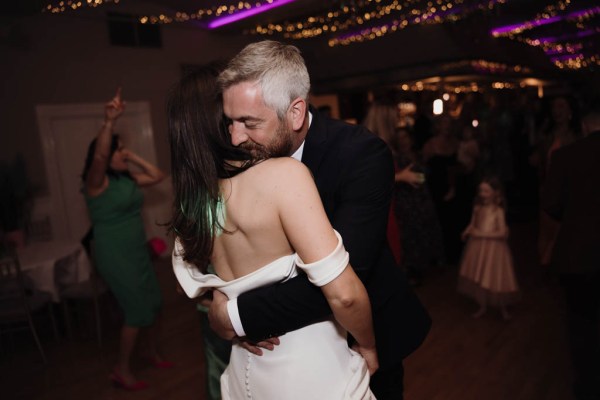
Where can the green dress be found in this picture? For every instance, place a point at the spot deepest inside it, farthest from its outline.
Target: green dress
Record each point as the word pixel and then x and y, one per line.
pixel 121 253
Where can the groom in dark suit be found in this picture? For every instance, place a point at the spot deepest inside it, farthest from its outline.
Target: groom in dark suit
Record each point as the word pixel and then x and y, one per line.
pixel 354 173
pixel 571 195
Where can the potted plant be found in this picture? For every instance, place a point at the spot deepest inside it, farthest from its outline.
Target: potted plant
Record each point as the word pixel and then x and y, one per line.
pixel 16 196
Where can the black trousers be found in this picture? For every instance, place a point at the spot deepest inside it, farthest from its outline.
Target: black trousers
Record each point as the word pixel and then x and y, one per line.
pixel 582 295
pixel 388 384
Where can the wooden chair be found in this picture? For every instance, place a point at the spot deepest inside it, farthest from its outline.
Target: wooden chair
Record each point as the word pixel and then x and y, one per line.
pixel 70 290
pixel 18 301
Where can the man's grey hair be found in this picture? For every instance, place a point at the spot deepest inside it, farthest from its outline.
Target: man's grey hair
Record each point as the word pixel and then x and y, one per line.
pixel 277 68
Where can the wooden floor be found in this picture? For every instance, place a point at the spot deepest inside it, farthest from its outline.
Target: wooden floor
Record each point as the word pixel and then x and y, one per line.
pixel 462 358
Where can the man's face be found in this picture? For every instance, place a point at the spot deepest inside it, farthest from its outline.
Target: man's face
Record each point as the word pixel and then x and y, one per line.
pixel 254 126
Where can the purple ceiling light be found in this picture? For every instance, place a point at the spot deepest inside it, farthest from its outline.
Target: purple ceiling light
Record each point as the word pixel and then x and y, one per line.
pixel 236 16
pixel 526 25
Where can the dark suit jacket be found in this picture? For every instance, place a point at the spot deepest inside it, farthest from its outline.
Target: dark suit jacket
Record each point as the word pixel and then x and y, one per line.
pixel 571 195
pixel 354 173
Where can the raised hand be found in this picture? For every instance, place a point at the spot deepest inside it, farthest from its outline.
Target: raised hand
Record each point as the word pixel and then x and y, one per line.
pixel 115 107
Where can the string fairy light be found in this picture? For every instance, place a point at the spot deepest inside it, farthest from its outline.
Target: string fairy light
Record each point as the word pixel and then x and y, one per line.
pixel 70 5
pixel 228 13
pixel 547 15
pixel 431 15
pixel 335 20
pixel 212 13
pixel 564 50
pixel 364 20
pixel 368 12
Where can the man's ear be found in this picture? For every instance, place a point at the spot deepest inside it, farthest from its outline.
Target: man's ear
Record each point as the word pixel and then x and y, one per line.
pixel 297 113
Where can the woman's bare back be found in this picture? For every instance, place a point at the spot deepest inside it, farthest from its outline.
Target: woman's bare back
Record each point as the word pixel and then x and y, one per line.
pixel 254 234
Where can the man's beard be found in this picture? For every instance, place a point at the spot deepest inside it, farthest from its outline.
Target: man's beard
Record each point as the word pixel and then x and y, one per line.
pixel 280 146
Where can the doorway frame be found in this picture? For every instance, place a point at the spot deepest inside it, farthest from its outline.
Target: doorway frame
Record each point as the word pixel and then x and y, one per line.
pixel 46 114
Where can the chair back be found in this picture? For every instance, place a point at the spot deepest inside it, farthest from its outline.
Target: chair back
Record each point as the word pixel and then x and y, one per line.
pixel 17 301
pixel 66 269
pixel 72 288
pixel 13 291
pixel 70 284
pixel 97 281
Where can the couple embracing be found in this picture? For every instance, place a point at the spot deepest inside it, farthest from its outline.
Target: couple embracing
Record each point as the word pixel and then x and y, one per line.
pixel 297 244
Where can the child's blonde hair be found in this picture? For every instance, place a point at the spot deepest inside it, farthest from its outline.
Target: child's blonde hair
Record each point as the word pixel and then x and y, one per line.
pixel 497 187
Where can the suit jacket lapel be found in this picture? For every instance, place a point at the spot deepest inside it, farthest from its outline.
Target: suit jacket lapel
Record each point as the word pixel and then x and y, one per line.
pixel 314 148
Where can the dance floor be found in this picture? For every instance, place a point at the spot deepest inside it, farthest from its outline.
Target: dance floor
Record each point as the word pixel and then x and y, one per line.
pixel 463 358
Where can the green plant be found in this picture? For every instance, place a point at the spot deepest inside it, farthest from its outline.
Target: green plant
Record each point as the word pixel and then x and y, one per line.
pixel 16 195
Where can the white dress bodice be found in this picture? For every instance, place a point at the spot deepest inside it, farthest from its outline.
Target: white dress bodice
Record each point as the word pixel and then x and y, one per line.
pixel 314 362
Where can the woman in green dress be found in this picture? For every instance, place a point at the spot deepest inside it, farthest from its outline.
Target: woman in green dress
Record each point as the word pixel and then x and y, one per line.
pixel 120 251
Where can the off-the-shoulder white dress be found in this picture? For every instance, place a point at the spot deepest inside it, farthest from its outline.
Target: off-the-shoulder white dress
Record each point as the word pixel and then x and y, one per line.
pixel 311 363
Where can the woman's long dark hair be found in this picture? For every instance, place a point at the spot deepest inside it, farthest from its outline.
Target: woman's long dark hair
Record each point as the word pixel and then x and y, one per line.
pixel 201 152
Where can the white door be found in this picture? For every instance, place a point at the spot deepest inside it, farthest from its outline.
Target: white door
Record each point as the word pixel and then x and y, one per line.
pixel 66 131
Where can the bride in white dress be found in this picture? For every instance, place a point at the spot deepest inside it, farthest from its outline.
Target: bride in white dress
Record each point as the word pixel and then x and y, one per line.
pixel 263 224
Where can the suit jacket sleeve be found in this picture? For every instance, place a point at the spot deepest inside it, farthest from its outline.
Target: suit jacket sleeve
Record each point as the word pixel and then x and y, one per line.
pixel 359 213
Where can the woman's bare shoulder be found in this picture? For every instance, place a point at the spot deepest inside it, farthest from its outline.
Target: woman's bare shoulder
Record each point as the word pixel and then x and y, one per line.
pixel 287 162
pixel 281 167
pixel 282 174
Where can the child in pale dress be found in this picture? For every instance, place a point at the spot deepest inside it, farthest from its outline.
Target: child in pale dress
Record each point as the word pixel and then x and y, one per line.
pixel 486 271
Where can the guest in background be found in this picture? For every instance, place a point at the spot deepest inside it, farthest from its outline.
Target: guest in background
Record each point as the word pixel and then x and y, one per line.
pixel 468 150
pixel 496 127
pixel 439 154
pixel 561 128
pixel 382 119
pixel 523 194
pixel 120 251
pixel 486 270
pixel 571 196
pixel 468 174
pixel 420 240
pixel 422 129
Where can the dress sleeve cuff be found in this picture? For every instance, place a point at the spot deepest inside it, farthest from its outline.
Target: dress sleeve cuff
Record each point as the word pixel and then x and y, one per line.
pixel 321 272
pixel 234 317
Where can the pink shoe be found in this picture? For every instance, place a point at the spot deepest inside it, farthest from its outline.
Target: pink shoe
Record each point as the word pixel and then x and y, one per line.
pixel 119 382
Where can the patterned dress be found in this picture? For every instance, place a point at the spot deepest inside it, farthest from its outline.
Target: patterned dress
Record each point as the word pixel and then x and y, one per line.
pixel 421 235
